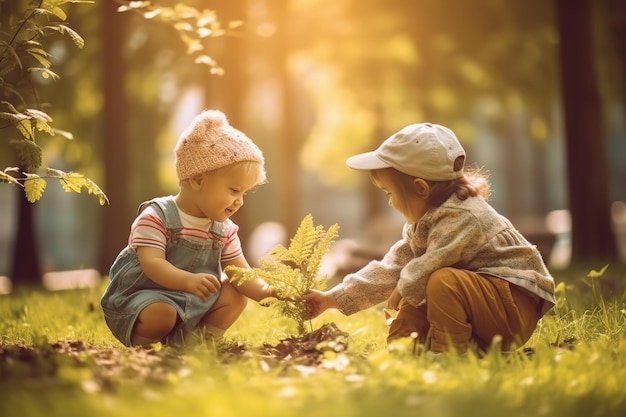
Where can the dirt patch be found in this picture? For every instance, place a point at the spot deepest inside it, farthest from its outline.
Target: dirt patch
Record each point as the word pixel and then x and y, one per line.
pixel 307 349
pixel 154 365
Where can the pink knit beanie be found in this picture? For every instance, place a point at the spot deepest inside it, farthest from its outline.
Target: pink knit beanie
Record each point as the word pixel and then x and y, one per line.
pixel 209 143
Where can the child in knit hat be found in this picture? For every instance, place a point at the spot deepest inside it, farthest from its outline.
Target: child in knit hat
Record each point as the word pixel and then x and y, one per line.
pixel 461 275
pixel 167 284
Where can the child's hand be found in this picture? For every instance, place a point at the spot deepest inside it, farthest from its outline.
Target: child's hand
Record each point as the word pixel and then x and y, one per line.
pixel 317 302
pixel 393 302
pixel 202 285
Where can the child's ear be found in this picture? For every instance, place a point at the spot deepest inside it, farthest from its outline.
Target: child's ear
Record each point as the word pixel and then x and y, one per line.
pixel 195 182
pixel 422 189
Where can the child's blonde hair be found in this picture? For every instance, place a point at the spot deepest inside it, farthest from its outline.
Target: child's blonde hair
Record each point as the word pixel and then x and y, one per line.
pixel 252 168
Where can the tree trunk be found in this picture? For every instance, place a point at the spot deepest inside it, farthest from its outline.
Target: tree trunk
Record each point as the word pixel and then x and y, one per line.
pixel 616 11
pixel 287 136
pixel 26 268
pixel 117 216
pixel 592 237
pixel 227 92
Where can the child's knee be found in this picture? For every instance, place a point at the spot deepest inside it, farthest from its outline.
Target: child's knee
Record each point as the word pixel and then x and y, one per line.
pixel 155 322
pixel 440 281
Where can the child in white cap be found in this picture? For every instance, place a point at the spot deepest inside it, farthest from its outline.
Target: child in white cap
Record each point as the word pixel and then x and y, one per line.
pixel 461 274
pixel 167 283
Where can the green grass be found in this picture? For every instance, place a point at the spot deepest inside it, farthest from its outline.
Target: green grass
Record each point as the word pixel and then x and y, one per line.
pixel 365 380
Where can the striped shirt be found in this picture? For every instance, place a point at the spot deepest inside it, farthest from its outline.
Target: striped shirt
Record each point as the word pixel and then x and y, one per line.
pixel 148 229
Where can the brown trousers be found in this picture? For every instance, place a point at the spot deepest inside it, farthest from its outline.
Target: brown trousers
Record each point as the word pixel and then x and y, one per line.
pixel 464 310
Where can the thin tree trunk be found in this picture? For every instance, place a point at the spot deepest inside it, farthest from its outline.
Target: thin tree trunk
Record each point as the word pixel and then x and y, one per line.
pixel 26 265
pixel 287 139
pixel 117 216
pixel 616 11
pixel 592 237
pixel 227 92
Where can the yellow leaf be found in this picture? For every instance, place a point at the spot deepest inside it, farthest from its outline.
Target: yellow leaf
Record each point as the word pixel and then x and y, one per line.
pixel 45 73
pixel 38 114
pixel 102 199
pixel 4 177
pixel 64 133
pixel 95 190
pixel 58 12
pixel 597 274
pixel 45 63
pixel 43 126
pixel 24 127
pixel 34 188
pixel 73 182
pixel 76 38
pixel 36 51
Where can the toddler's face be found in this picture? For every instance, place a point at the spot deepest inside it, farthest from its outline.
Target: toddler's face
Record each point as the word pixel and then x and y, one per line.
pixel 401 192
pixel 221 192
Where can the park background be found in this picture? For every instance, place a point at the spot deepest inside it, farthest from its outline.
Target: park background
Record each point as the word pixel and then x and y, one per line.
pixel 315 81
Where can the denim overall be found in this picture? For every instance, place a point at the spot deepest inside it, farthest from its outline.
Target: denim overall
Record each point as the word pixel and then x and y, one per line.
pixel 130 290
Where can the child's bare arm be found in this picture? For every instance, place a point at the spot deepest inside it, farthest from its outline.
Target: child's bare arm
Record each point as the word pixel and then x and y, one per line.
pixel 255 289
pixel 159 270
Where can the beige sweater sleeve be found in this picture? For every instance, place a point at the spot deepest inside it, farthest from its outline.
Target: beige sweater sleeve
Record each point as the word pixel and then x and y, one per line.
pixel 374 283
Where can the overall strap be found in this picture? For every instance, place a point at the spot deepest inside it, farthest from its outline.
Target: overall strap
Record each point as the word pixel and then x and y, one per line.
pixel 216 234
pixel 168 209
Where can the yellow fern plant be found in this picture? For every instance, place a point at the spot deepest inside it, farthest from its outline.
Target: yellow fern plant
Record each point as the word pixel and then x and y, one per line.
pixel 293 271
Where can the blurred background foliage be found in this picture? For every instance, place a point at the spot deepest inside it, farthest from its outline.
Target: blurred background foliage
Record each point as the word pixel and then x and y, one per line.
pixel 312 82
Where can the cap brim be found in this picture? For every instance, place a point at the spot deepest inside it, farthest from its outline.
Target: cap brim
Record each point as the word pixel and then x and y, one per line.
pixel 366 161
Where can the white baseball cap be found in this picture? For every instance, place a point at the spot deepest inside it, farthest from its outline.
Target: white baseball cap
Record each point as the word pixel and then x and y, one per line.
pixel 423 150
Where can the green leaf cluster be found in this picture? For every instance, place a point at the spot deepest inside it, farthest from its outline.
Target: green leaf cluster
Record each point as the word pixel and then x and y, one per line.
pixel 193 26
pixel 293 271
pixel 23 29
